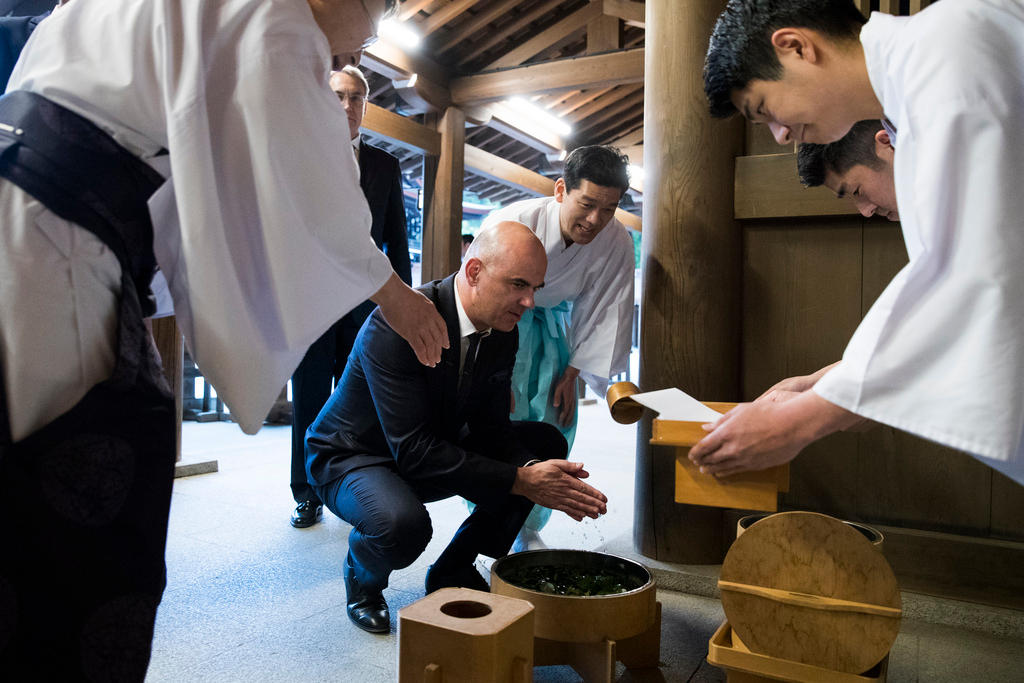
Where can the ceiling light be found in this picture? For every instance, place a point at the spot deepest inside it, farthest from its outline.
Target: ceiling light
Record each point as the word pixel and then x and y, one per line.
pixel 539 116
pixel 399 33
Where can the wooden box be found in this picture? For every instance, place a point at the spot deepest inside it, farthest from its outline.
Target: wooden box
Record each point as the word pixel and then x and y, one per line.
pixel 746 491
pixel 743 666
pixel 458 635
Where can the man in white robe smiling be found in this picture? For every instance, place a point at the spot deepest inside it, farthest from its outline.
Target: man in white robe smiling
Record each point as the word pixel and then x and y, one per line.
pixel 940 353
pixel 214 112
pixel 582 325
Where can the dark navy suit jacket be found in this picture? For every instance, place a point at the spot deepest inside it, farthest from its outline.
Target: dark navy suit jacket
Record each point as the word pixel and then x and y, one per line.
pixel 391 410
pixel 14 33
pixel 381 180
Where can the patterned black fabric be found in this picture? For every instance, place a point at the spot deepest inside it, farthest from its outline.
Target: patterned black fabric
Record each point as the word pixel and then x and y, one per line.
pixel 83 524
pixel 84 501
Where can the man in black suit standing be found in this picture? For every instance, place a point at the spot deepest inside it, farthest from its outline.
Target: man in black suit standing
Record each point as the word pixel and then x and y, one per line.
pixel 381 179
pixel 395 434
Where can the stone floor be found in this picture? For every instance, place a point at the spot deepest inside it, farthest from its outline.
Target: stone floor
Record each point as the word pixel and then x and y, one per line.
pixel 251 599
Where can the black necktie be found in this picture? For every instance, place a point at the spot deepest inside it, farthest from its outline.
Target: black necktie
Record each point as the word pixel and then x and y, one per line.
pixel 465 379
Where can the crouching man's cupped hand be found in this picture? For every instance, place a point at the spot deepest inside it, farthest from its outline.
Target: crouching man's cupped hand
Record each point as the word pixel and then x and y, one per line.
pixel 556 484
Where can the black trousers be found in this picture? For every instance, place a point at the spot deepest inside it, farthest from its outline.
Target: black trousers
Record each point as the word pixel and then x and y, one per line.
pixel 391 527
pixel 84 504
pixel 312 384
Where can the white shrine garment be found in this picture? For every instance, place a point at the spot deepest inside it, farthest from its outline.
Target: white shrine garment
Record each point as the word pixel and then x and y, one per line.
pixel 597 278
pixel 261 229
pixel 941 352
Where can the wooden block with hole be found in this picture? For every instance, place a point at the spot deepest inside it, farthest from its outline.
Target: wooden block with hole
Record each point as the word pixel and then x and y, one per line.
pixel 458 635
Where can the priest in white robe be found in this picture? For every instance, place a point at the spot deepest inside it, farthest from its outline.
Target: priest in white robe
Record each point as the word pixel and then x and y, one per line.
pixel 582 324
pixel 941 352
pixel 216 113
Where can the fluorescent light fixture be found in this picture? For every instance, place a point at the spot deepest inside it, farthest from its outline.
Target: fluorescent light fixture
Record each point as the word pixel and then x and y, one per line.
pixel 538 116
pixel 399 33
pixel 636 172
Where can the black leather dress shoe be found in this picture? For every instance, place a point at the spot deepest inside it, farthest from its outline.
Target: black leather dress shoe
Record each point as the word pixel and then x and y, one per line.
pixel 307 514
pixel 366 608
pixel 463 577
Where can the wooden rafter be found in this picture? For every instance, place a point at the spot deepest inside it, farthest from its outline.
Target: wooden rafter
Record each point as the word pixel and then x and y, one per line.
pixel 462 32
pixel 411 8
pixel 401 130
pixel 632 138
pixel 444 15
pixel 506 32
pixel 610 97
pixel 599 134
pixel 627 10
pixel 630 103
pixel 554 33
pixel 578 100
pixel 597 71
pixel 391 61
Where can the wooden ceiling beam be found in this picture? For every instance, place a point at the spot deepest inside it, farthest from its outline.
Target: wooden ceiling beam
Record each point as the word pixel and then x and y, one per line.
pixel 629 139
pixel 630 102
pixel 549 36
pixel 504 171
pixel 472 26
pixel 600 134
pixel 627 10
pixel 401 131
pixel 610 97
pixel 578 73
pixel 508 120
pixel 603 33
pixel 506 32
pixel 444 15
pixel 578 100
pixel 411 8
pixel 391 61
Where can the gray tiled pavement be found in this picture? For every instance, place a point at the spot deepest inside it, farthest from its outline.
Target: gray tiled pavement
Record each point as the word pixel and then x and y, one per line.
pixel 251 599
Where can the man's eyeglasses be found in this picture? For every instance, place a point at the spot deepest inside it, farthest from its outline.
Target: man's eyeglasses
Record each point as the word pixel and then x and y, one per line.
pixel 355 99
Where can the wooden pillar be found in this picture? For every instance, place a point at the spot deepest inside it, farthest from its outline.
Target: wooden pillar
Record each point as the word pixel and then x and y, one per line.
pixel 171 347
pixel 603 34
pixel 442 224
pixel 691 260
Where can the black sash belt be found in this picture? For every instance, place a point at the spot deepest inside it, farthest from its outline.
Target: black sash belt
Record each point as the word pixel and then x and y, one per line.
pixel 80 173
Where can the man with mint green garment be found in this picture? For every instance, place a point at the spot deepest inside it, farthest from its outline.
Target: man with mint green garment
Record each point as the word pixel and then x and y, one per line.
pixel 582 324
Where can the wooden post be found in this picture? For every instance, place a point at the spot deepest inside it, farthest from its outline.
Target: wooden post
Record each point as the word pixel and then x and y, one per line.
pixel 442 225
pixel 691 267
pixel 171 346
pixel 603 33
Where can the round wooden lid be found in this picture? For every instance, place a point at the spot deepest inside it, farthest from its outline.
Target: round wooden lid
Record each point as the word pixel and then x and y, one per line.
pixel 809 588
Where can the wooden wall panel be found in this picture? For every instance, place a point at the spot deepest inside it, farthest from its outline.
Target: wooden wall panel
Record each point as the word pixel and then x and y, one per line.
pixel 799 311
pixel 807 284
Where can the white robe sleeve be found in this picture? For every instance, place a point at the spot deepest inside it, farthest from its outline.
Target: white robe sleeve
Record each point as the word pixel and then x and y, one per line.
pixel 263 234
pixel 941 353
pixel 601 325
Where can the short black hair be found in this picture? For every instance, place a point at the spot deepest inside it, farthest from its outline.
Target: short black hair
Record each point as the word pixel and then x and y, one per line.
pixel 740 49
pixel 600 164
pixel 856 147
pixel 467 238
